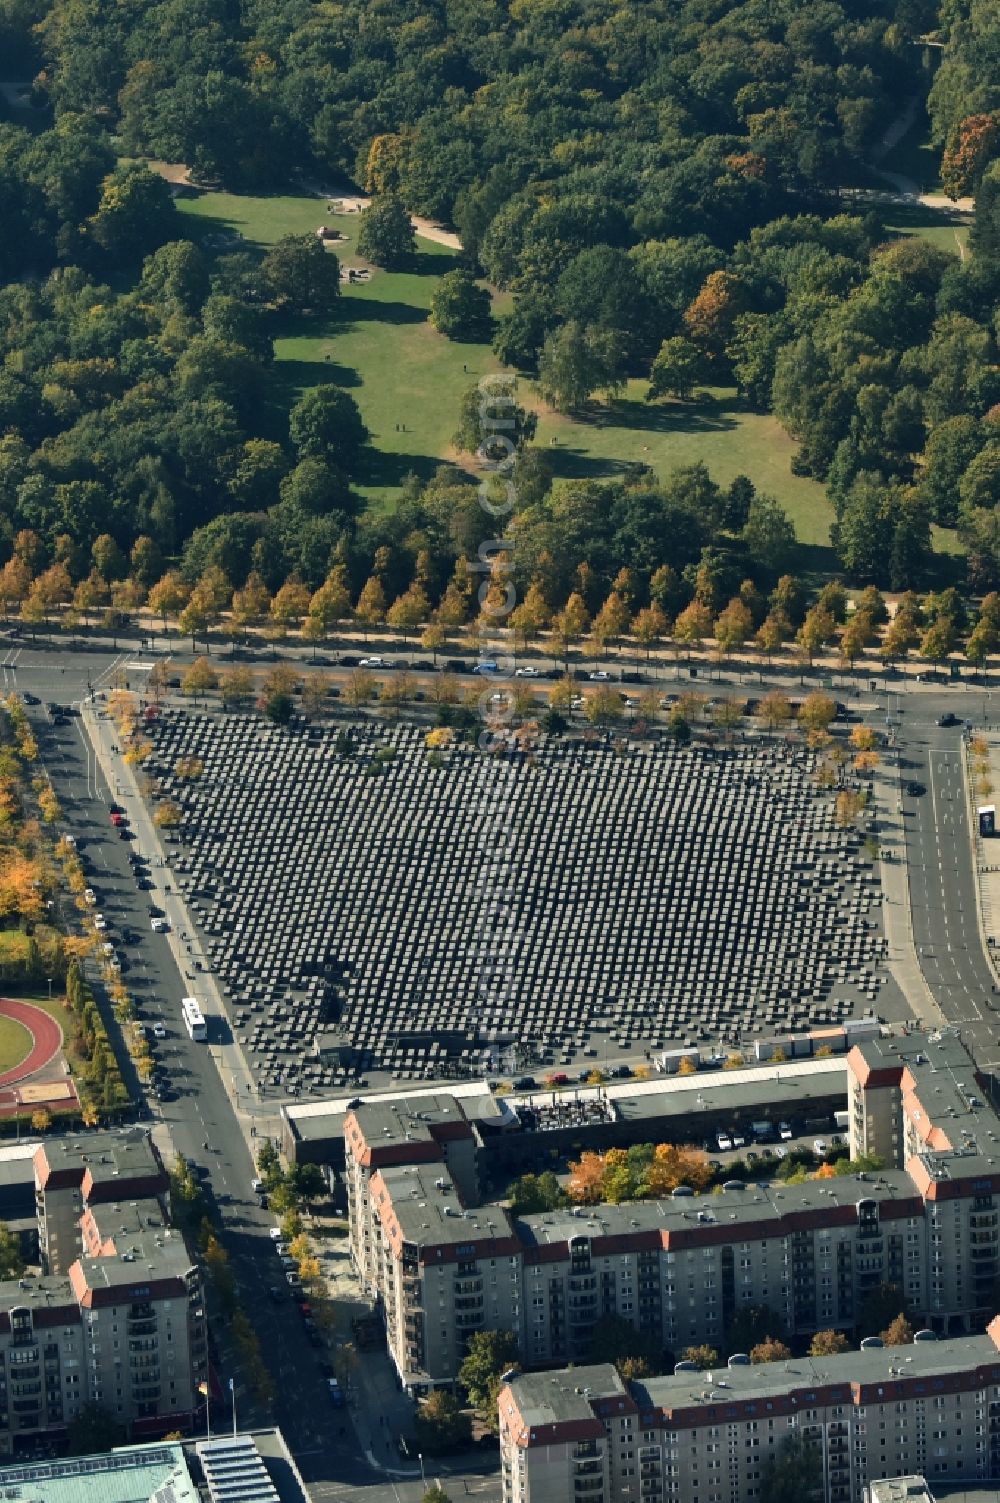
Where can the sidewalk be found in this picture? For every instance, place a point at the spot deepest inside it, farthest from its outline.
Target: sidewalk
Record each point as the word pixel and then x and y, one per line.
pixel 985 852
pixel 896 916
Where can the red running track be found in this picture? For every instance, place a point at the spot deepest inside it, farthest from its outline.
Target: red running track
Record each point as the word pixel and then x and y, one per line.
pixel 46 1038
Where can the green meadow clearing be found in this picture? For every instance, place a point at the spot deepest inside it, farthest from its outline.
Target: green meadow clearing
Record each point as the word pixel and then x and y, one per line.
pixel 408 380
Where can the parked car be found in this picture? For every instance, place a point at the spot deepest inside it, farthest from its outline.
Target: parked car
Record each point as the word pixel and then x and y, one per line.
pixel 527 672
pixel 948 719
pixel 375 662
pixel 159 1031
pixel 819 1147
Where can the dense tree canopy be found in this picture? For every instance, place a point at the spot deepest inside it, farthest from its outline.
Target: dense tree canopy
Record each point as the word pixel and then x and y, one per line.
pixel 660 196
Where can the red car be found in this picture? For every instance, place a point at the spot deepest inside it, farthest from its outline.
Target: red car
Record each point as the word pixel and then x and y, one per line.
pixel 117 820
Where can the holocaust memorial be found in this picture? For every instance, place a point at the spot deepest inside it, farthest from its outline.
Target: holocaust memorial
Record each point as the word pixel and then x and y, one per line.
pixel 412 913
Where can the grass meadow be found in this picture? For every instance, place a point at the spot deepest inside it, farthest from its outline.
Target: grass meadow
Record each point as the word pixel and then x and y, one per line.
pixel 408 380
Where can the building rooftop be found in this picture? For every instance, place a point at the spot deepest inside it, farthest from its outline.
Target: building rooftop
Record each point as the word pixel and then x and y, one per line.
pixel 741 1204
pixel 573 1394
pixel 428 1211
pixel 316 1120
pixel 149 1264
pixel 100 1161
pixel 281 1467
pixel 933 1360
pixel 50 1292
pixel 406 1122
pixel 901 1490
pixel 552 1398
pixel 126 1224
pixel 135 1474
pixel 234 1471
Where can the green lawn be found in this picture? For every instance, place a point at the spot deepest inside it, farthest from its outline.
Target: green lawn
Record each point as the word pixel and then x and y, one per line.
pixel 15 1042
pixel 938 227
pixel 408 380
pixel 717 431
pixel 262 220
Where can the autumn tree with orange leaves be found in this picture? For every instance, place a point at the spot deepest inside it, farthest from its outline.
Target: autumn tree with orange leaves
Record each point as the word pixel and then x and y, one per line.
pixel 972 145
pixel 643 1172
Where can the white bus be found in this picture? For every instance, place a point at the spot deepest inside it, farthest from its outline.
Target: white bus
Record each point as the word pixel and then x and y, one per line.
pixel 194 1021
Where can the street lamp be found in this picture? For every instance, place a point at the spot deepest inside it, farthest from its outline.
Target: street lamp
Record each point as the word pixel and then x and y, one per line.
pixel 423 1479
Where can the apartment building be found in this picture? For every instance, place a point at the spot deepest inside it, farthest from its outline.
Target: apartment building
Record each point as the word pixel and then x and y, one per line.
pixel 919 1102
pixel 379 1135
pixel 73 1173
pixel 441 1271
pixel 119 1317
pixel 581 1435
pixel 682 1267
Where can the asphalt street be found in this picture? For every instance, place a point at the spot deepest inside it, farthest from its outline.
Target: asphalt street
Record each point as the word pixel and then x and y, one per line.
pixel 945 929
pixel 942 881
pixel 327 1445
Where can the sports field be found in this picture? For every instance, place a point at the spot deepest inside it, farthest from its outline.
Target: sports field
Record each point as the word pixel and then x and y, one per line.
pixel 15 1042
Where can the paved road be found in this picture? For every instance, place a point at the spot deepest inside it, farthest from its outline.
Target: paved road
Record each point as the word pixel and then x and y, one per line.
pixel 942 880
